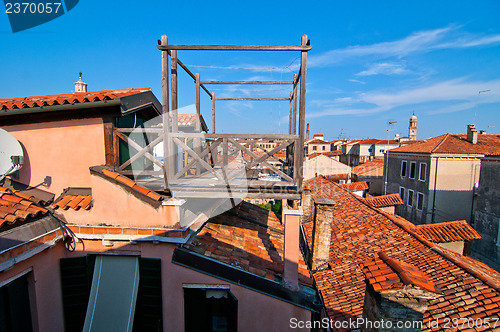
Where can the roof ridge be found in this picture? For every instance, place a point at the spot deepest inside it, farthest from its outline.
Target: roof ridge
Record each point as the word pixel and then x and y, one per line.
pixel 445 136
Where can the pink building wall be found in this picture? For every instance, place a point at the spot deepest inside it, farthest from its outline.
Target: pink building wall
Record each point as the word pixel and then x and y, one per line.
pixel 63 150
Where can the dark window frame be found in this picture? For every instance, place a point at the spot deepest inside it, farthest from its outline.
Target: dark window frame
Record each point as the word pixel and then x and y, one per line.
pixel 411 197
pixel 404 168
pixel 420 201
pixel 424 173
pixel 413 170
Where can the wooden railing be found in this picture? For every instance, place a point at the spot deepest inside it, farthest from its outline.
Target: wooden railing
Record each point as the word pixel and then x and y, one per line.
pixel 223 158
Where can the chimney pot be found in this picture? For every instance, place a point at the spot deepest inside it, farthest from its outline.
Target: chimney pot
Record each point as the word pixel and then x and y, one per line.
pixel 291 219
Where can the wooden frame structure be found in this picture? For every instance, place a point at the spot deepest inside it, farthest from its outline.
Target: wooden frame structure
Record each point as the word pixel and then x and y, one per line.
pixel 217 160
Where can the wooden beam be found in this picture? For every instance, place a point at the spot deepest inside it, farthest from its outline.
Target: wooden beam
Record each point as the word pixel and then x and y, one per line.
pixel 290 114
pixel 236 47
pixel 254 99
pixel 168 169
pixel 139 154
pixel 294 116
pixel 173 91
pixel 194 161
pixel 235 136
pixel 302 110
pixel 213 112
pixel 136 146
pixel 247 82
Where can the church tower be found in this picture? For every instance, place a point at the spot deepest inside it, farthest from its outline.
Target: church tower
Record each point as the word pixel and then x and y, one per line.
pixel 412 130
pixel 80 85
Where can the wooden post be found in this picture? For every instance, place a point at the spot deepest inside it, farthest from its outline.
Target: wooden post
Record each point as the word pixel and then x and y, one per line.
pixel 290 114
pixel 167 160
pixel 197 141
pixel 294 124
pixel 173 72
pixel 302 111
pixel 213 112
pixel 175 117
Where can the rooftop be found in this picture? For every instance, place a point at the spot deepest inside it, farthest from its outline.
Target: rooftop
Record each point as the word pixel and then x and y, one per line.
pixel 487 144
pixel 450 231
pixel 467 288
pixel 384 200
pixel 373 167
pixel 354 186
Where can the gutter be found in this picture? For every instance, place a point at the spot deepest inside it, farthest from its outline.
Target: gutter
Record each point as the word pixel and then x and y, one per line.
pixel 55 108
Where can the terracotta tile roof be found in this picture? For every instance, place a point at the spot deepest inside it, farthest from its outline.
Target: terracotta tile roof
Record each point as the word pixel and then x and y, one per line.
pixel 354 186
pixel 372 141
pixel 74 198
pixel 249 238
pixel 328 154
pixel 373 167
pixel 385 273
pixel 449 231
pixel 68 98
pixel 337 177
pixel 317 141
pixel 467 288
pixel 17 207
pixel 123 180
pixel 487 144
pixel 384 200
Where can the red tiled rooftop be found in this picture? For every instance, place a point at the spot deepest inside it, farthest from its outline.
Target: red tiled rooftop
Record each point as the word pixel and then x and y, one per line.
pixel 317 141
pixel 328 154
pixel 354 186
pixel 337 177
pixel 131 184
pixel 449 231
pixel 373 167
pixel 384 200
pixel 372 141
pixel 487 144
pixel 17 207
pixel 68 98
pixel 385 273
pixel 249 238
pixel 74 202
pixel 467 288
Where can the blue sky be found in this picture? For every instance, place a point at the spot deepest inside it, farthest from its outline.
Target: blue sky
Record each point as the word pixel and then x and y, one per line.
pixel 372 61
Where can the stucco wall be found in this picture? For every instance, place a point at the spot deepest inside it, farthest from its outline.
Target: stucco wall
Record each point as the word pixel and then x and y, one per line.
pixel 62 150
pixel 323 165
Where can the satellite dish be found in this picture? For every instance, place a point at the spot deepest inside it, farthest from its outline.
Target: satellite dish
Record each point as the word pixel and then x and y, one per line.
pixel 11 154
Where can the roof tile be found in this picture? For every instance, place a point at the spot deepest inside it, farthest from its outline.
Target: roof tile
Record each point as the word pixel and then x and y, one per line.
pixel 384 200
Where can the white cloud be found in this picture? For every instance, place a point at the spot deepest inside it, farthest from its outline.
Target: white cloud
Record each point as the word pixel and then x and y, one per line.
pixel 418 42
pixel 357 81
pixel 451 96
pixel 384 69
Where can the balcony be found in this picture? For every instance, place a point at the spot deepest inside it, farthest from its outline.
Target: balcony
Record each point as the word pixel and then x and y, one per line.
pixel 161 155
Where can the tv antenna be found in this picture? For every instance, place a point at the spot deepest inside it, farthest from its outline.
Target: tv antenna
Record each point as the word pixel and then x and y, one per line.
pixel 11 154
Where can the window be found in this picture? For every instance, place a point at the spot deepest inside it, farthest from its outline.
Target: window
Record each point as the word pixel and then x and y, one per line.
pixel 382 149
pixel 404 165
pixel 210 309
pixel 423 171
pixel 324 148
pixel 420 201
pixel 410 197
pixel 402 193
pixel 15 314
pixel 314 147
pixel 413 169
pixel 76 283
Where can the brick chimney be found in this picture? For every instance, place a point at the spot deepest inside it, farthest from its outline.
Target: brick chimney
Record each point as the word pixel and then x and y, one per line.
pixel 307 205
pixel 307 132
pixel 472 134
pixel 291 220
pixel 322 233
pixel 395 292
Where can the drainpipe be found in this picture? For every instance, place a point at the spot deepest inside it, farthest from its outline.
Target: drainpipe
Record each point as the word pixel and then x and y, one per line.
pixel 434 196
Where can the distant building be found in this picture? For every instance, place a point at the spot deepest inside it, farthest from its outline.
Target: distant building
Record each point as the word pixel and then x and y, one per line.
pixel 358 152
pixel 487 213
pixel 373 173
pixel 324 164
pixel 436 177
pixel 412 129
pixel 317 145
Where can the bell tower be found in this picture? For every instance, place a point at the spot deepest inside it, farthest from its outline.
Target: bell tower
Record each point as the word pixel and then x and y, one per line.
pixel 412 130
pixel 80 85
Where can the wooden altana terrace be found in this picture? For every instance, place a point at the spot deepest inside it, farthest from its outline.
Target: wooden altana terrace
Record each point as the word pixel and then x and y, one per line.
pixel 211 164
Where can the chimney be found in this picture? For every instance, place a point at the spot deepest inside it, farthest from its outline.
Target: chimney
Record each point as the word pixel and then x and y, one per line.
pixel 291 219
pixel 307 205
pixel 307 132
pixel 322 233
pixel 80 85
pixel 482 132
pixel 472 134
pixel 402 296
